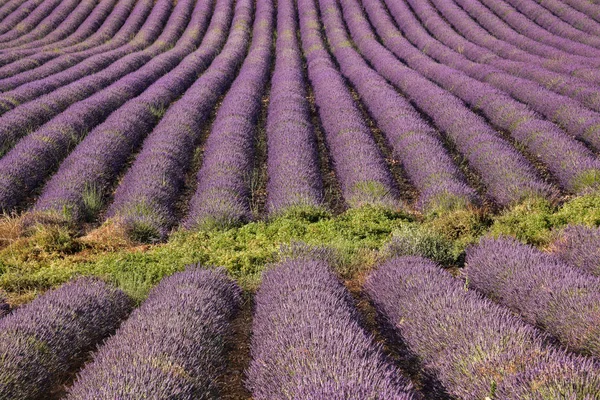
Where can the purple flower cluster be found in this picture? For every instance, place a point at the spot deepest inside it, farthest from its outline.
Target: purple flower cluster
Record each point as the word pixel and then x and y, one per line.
pixel 146 199
pixel 475 348
pixel 293 169
pixel 574 166
pixel 579 246
pixel 171 347
pixel 508 176
pixel 414 142
pixel 85 178
pixel 52 142
pixel 307 342
pixel 223 190
pixel 543 290
pixel 23 7
pixel 119 28
pixel 358 163
pixel 44 340
pixel 27 117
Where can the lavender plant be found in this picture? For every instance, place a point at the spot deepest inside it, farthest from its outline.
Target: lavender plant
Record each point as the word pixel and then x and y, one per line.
pixel 543 290
pixel 307 342
pixel 579 246
pixel 475 348
pixel 44 340
pixel 172 346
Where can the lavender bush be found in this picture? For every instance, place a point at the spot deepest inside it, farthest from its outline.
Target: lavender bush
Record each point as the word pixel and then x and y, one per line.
pixel 172 346
pixel 307 342
pixel 44 340
pixel 540 288
pixel 579 246
pixel 474 347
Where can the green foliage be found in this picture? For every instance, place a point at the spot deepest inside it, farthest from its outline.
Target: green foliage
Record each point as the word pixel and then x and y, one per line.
pixel 414 240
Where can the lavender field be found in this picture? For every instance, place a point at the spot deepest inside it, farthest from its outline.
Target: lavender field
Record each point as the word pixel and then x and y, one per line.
pixel 300 199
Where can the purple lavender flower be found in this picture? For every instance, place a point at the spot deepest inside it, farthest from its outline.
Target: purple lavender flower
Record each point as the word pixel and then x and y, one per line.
pixel 579 246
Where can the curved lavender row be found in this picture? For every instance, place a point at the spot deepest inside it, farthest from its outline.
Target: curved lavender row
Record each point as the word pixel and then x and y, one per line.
pixel 524 32
pixel 307 342
pixel 223 191
pixel 543 290
pixel 182 326
pixel 27 117
pixel 414 142
pixel 575 167
pixel 478 43
pixel 52 21
pixel 586 7
pixel 292 165
pixel 59 24
pixel 518 30
pixel 55 139
pixel 507 175
pixel 114 30
pixel 11 6
pixel 44 340
pixel 73 30
pixel 32 21
pixel 458 56
pixel 16 16
pixel 579 246
pixel 143 200
pixel 551 23
pixel 91 169
pixel 358 163
pixel 572 16
pixel 474 347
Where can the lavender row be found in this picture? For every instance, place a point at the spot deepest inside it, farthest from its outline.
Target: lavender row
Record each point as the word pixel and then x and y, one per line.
pixel 172 346
pixel 414 142
pixel 223 190
pixel 87 175
pixel 586 7
pixel 293 171
pixel 78 27
pixel 475 348
pixel 507 175
pixel 475 38
pixel 307 342
pixel 551 23
pixel 146 198
pixel 358 163
pixel 479 62
pixel 572 16
pixel 11 6
pixel 24 118
pixel 575 167
pixel 543 290
pixel 50 22
pixel 579 246
pixel 18 15
pixel 31 21
pixel 40 343
pixel 59 24
pixel 114 29
pixel 54 140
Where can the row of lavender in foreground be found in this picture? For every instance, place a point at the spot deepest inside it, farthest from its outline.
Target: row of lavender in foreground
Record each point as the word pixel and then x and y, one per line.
pixel 146 198
pixel 579 246
pixel 574 166
pixel 171 347
pixel 42 342
pixel 544 291
pixel 119 28
pixel 223 191
pixel 358 163
pixel 85 178
pixel 507 175
pixel 53 141
pixel 475 348
pixel 307 342
pixel 293 169
pixel 416 145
